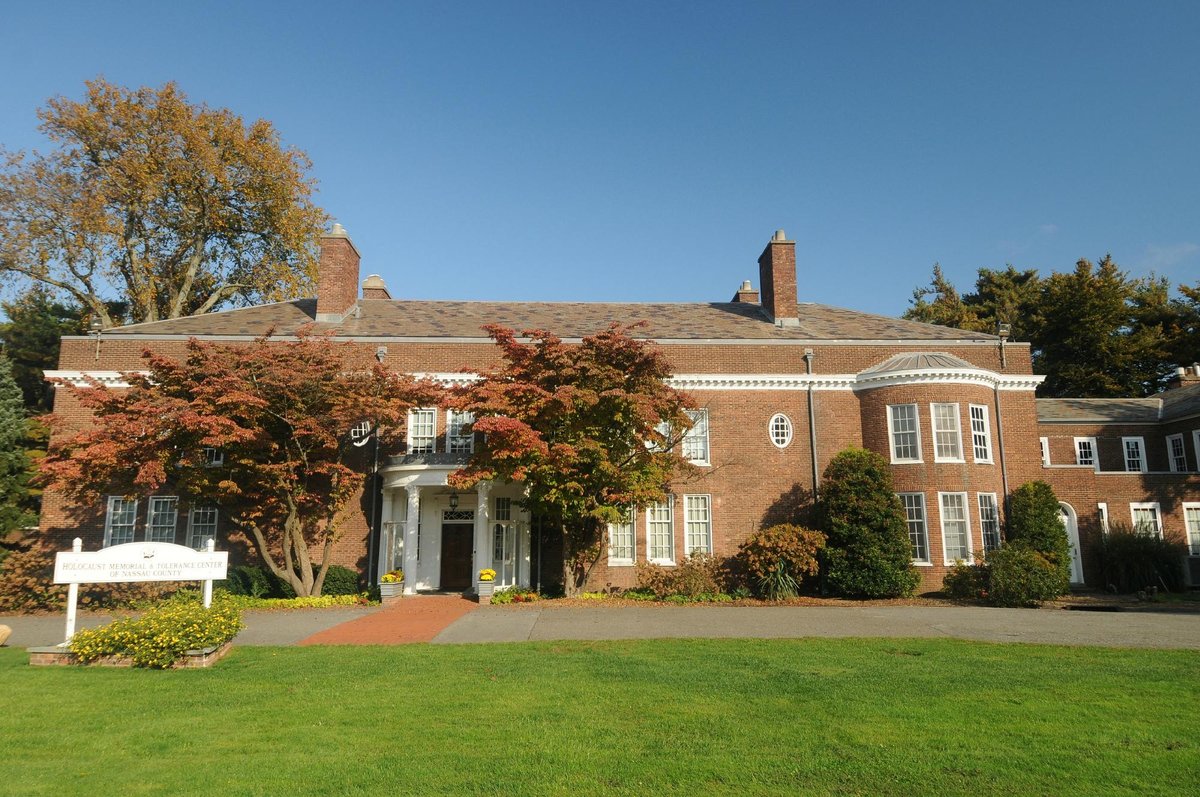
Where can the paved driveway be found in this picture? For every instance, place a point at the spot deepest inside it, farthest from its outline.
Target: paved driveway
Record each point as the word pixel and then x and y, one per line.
pixel 523 623
pixel 1058 626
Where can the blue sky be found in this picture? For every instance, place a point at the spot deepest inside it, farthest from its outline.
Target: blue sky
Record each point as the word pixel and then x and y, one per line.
pixel 647 151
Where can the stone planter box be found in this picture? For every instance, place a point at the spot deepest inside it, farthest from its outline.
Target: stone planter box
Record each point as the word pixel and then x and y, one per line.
pixel 485 590
pixel 391 592
pixel 192 659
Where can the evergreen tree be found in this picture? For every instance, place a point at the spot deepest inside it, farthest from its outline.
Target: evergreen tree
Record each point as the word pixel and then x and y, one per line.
pixel 1034 523
pixel 868 554
pixel 31 340
pixel 14 462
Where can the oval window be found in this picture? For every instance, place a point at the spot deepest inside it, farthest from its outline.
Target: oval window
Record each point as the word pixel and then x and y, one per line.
pixel 780 429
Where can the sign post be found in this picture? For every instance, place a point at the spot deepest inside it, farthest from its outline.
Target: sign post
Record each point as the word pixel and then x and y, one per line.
pixel 136 561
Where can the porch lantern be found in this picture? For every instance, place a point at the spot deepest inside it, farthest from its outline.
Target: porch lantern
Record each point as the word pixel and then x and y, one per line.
pixel 454 500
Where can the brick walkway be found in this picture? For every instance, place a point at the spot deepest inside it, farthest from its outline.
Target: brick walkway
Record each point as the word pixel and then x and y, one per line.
pixel 412 619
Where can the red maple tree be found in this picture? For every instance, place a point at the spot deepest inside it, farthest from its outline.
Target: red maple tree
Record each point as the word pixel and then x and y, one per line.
pixel 280 414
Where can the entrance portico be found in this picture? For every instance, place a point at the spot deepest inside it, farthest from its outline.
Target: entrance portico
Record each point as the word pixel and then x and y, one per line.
pixel 441 538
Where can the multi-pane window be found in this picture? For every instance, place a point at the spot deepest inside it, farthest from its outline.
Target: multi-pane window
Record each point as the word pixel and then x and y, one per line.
pixel 956 527
pixel 459 441
pixel 360 432
pixel 119 520
pixel 695 442
pixel 918 535
pixel 905 432
pixel 1147 519
pixel 421 428
pixel 1176 455
pixel 1135 454
pixel 698 530
pixel 660 532
pixel 989 521
pixel 947 437
pixel 1045 444
pixel 162 518
pixel 621 540
pixel 981 433
pixel 1191 518
pixel 213 457
pixel 202 526
pixel 780 429
pixel 1085 451
pixel 503 508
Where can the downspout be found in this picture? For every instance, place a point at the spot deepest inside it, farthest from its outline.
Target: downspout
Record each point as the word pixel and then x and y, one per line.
pixel 1000 449
pixel 812 424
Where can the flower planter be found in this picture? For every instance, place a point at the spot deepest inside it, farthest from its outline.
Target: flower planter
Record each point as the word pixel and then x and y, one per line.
pixel 485 590
pixel 391 591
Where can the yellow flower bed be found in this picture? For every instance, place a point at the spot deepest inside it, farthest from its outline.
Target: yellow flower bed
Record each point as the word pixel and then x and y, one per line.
pixel 160 636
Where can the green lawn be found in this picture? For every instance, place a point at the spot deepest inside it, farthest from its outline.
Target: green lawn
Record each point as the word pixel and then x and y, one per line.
pixel 651 717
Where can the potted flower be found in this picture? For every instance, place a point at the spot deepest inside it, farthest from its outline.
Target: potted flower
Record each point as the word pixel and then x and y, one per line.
pixel 391 585
pixel 486 585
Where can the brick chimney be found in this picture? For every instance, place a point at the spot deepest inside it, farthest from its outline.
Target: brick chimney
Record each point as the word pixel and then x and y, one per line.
pixel 1184 377
pixel 777 275
pixel 337 275
pixel 375 288
pixel 745 294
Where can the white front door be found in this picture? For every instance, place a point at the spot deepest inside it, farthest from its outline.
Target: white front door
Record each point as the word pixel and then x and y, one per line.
pixel 1067 515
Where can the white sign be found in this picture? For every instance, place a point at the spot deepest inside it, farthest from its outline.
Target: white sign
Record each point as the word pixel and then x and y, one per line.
pixel 139 561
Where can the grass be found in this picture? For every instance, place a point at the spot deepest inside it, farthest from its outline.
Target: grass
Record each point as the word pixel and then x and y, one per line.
pixel 879 717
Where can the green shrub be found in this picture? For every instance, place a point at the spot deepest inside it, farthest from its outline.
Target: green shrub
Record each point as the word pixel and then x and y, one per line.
pixel 1035 523
pixel 698 574
pixel 965 582
pixel 776 559
pixel 868 553
pixel 160 636
pixel 247 580
pixel 340 581
pixel 1019 576
pixel 1131 560
pixel 639 595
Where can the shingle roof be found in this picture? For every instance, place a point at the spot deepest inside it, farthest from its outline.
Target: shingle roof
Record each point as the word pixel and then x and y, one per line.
pixel 1167 406
pixel 1099 410
pixel 451 319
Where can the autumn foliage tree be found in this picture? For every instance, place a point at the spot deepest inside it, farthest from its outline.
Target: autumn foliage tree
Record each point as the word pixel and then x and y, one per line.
pixel 177 207
pixel 279 412
pixel 590 429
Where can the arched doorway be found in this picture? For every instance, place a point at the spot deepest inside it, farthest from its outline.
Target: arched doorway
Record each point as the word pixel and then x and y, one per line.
pixel 1071 523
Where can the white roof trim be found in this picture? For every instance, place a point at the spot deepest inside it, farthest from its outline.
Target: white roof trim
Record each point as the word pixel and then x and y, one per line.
pixel 856 382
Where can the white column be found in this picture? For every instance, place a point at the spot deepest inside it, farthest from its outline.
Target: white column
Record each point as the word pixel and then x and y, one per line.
pixel 483 536
pixel 385 533
pixel 410 539
pixel 525 546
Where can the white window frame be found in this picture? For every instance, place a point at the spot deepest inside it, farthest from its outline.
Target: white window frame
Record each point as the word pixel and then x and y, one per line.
pixel 780 430
pixel 1045 444
pixel 155 527
pixel 1141 449
pixel 989 513
pixel 913 522
pixel 1196 447
pixel 697 526
pixel 966 521
pixel 109 517
pixel 456 441
pixel 915 432
pixel 1152 506
pixel 213 457
pixel 981 433
pixel 1102 508
pixel 200 532
pixel 627 527
pixel 653 552
pixel 428 444
pixel 1192 526
pixel 957 431
pixel 1176 464
pixel 1090 441
pixel 694 447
